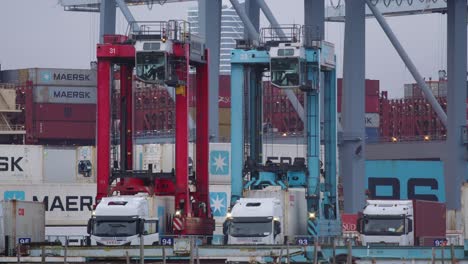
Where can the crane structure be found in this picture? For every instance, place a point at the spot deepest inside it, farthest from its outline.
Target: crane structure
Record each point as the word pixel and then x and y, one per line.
pixel 162 54
pixel 292 62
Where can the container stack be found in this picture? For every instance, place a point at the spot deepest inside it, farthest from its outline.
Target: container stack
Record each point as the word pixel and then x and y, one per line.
pixel 372 108
pixel 63 105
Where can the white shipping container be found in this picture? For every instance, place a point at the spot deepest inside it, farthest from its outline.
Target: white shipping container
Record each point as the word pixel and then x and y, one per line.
pixel 408 90
pixel 64 94
pixel 50 76
pixel 294 207
pixel 220 198
pixel 21 164
pixel 23 222
pixel 370 119
pixel 162 207
pixel 219 166
pixel 60 165
pixel 65 204
pixel 71 204
pixel 152 154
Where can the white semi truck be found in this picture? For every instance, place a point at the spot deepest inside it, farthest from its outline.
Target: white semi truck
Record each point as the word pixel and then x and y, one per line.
pixel 268 216
pixel 120 220
pixel 403 222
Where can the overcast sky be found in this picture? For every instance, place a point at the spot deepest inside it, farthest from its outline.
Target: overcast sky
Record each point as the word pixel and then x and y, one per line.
pixel 38 33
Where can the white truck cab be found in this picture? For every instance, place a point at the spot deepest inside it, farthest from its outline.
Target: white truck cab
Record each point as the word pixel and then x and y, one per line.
pixel 255 221
pixel 387 222
pixel 120 220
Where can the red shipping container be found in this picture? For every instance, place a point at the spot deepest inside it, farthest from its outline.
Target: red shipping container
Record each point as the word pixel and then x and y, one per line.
pixel 372 104
pixel 349 222
pixel 339 87
pixel 65 130
pixel 224 98
pixel 338 102
pixel 65 112
pixel 372 87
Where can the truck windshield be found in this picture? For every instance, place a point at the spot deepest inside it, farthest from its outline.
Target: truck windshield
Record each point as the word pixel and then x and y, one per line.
pixel 113 228
pixel 255 229
pixel 384 226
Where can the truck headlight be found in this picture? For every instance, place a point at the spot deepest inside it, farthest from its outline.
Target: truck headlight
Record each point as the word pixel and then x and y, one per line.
pixel 177 213
pixel 312 215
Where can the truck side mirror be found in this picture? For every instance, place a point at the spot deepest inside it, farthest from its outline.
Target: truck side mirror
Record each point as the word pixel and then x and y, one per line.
pixel 89 228
pixel 140 227
pixel 410 225
pixel 277 227
pixel 226 225
pixel 359 225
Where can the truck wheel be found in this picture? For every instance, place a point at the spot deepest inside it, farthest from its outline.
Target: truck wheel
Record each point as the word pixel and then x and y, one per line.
pixel 342 258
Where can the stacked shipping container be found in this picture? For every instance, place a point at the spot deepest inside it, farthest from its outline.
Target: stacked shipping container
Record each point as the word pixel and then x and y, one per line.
pixel 372 108
pixel 60 104
pixel 59 108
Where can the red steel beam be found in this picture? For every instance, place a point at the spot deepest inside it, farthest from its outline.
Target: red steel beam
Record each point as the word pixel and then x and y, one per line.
pixel 130 185
pixel 202 131
pixel 103 127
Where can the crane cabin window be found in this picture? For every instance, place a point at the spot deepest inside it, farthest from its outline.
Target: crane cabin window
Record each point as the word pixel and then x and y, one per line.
pixel 285 72
pixel 151 66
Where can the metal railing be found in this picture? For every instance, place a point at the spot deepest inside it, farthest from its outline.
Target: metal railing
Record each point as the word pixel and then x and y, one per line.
pixel 173 29
pixel 292 34
pixel 12 128
pixel 10 86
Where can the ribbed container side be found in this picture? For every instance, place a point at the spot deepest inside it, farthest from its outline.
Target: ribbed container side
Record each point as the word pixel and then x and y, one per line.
pixel 417 92
pixel 276 152
pixel 338 103
pixel 138 157
pixel 65 94
pixel 65 130
pixel 50 76
pixel 60 165
pixel 162 207
pixel 408 91
pixel 21 164
pixel 225 133
pixel 224 91
pixel 65 204
pixel 220 197
pixel 372 87
pixel 225 116
pixel 372 134
pixel 372 104
pixel 443 89
pixel 349 222
pixel 339 86
pixel 220 163
pixel 168 154
pixel 371 120
pixel 8 101
pixel 151 154
pixel 65 112
pixel 24 222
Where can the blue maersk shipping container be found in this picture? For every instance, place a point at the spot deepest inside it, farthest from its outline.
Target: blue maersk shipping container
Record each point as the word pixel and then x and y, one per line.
pixel 372 134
